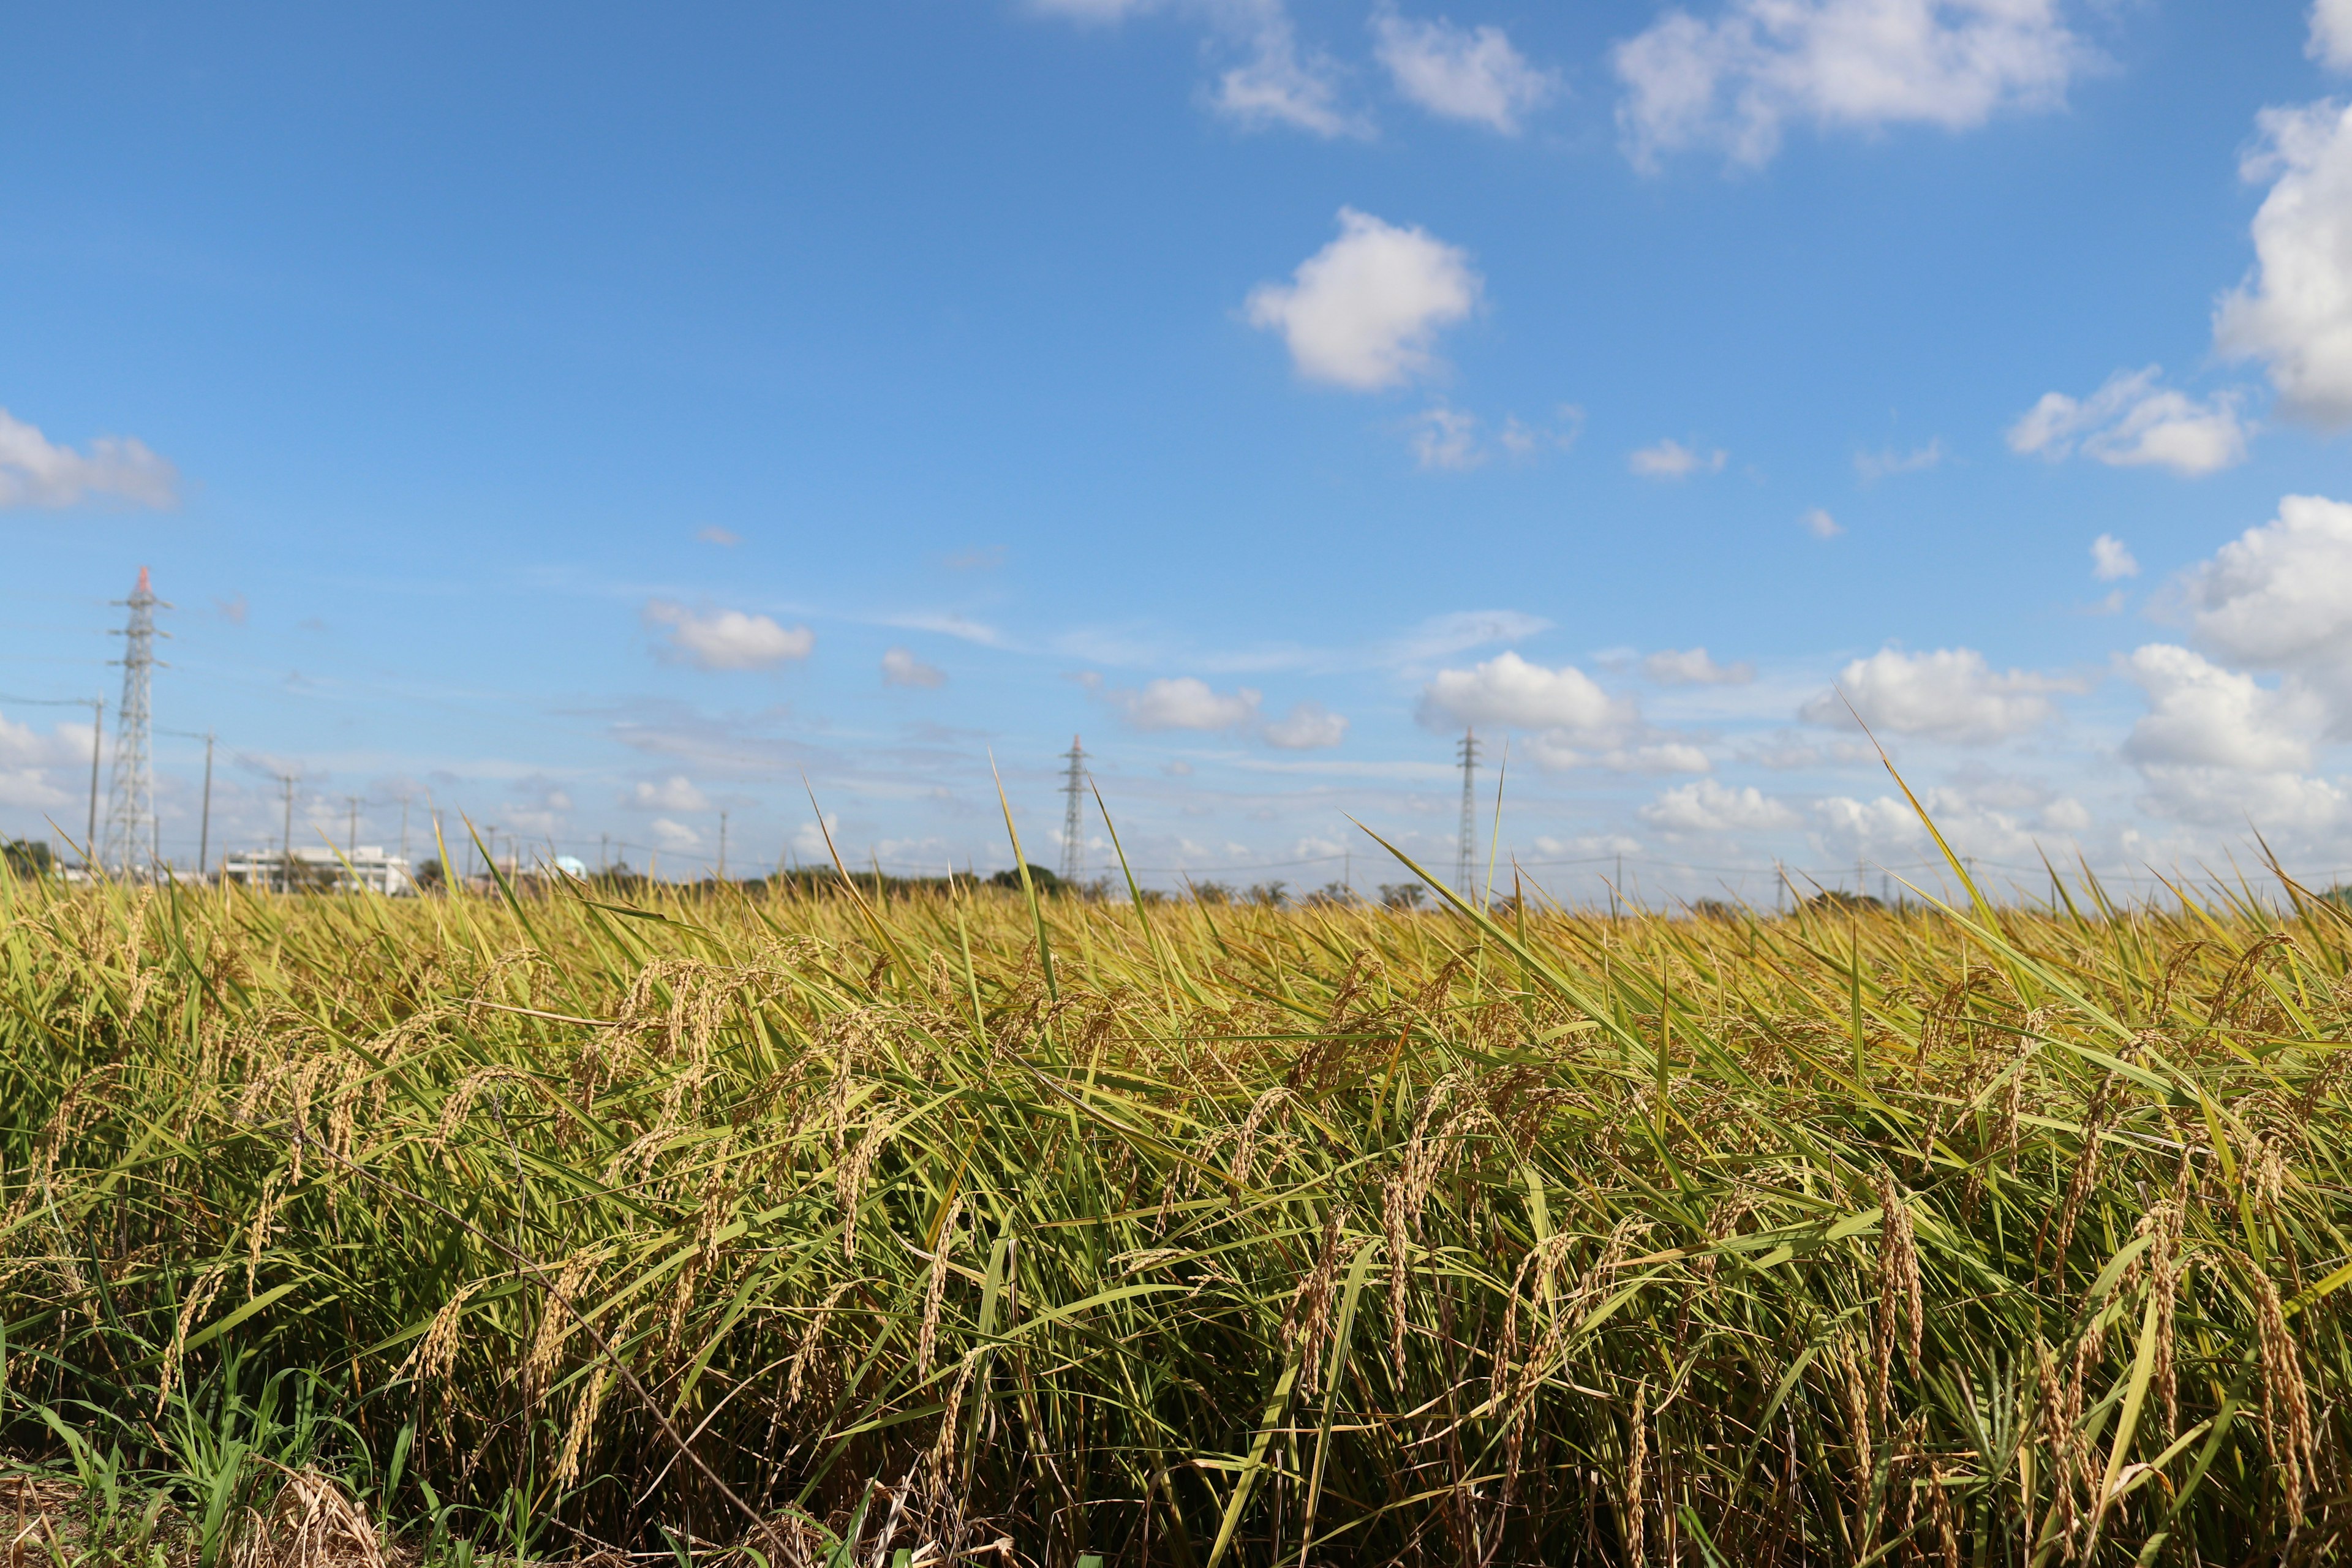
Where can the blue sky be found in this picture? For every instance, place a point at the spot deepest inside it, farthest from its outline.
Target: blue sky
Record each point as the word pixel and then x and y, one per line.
pixel 594 419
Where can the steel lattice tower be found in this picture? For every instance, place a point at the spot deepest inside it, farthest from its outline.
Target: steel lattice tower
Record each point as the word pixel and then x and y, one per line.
pixel 131 848
pixel 1074 845
pixel 1467 851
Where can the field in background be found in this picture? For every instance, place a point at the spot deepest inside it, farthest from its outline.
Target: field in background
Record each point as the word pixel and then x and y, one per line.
pixel 1036 1230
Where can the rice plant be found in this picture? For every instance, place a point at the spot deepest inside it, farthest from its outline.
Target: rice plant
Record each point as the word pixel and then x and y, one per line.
pixel 970 1226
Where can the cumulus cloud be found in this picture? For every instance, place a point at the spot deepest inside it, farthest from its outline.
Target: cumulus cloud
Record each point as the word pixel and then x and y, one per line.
pixel 1364 311
pixel 1509 691
pixel 1307 727
pixel 2279 597
pixel 2202 715
pixel 2218 748
pixel 2294 312
pixel 1670 459
pixel 1819 523
pixel 1709 808
pixel 901 668
pixel 1460 73
pixel 36 472
pixel 1946 694
pixel 675 836
pixel 1872 467
pixel 1184 702
pixel 1733 82
pixel 728 640
pixel 1695 667
pixel 1576 723
pixel 2111 558
pixel 2132 422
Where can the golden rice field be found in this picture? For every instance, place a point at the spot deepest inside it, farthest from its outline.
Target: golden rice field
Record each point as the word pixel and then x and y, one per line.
pixel 763 1227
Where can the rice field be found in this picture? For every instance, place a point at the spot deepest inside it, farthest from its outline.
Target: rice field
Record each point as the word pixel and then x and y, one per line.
pixel 769 1226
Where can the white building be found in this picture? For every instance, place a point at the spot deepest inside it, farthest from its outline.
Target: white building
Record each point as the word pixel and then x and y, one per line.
pixel 366 870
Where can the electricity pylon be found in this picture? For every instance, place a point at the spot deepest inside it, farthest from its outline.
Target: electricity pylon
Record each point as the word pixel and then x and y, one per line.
pixel 132 848
pixel 1074 846
pixel 1466 853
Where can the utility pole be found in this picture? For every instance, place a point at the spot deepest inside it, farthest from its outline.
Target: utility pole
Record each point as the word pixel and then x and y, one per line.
pixel 352 833
pixel 204 833
pixel 603 853
pixel 722 846
pixel 286 845
pixel 97 734
pixel 403 834
pixel 1074 849
pixel 1465 850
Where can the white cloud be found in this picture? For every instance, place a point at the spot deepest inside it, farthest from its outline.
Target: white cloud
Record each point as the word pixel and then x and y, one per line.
pixel 66 745
pixel 2201 715
pixel 2217 747
pixel 1708 807
pixel 28 789
pixel 2131 422
pixel 901 668
pixel 808 839
pixel 1184 702
pixel 1733 82
pixel 2111 559
pixel 1308 726
pixel 2331 34
pixel 1364 310
pixel 1789 749
pixel 1872 467
pixel 728 640
pixel 1577 723
pixel 675 835
pixel 1670 459
pixel 1276 83
pixel 1819 523
pixel 2294 312
pixel 1460 73
pixel 1557 750
pixel 1448 438
pixel 726 539
pixel 1445 437
pixel 1509 691
pixel 34 471
pixel 1694 666
pixel 1947 694
pixel 1272 81
pixel 2279 597
pixel 1589 846
pixel 676 793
